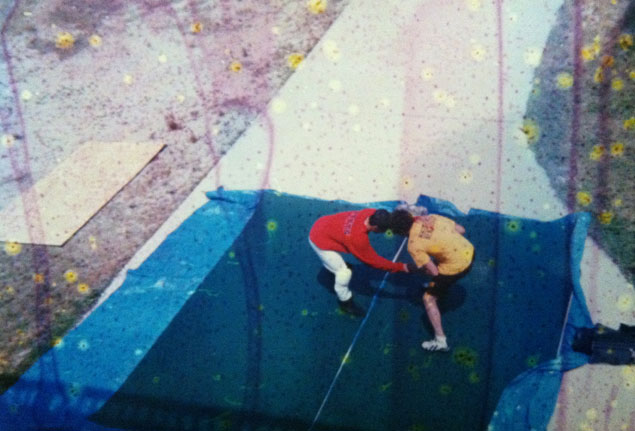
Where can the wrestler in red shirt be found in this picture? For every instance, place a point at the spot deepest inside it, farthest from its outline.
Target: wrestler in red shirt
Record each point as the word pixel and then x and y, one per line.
pixel 347 232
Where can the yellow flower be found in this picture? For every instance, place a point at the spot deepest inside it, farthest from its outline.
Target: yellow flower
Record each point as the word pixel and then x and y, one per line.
pixel 587 53
pixel 38 278
pixel 196 27
pixel 617 202
pixel 83 288
pixel 272 225
pixel 530 128
pixel 605 217
pixel 629 124
pixel 564 80
pixel 625 41
pixel 65 40
pixel 617 149
pixel 235 66
pixel 294 60
pixel 7 140
pixel 597 152
pixel 70 276
pixel 12 248
pixel 631 74
pixel 584 198
pixel 317 6
pixel 617 84
pixel 598 76
pixel 94 41
pixel 10 290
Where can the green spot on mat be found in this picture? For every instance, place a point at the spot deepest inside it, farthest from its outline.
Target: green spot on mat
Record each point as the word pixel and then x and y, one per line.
pixel 445 389
pixel 465 356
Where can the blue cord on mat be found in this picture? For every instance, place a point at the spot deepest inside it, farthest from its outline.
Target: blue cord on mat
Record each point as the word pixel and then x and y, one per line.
pixel 350 348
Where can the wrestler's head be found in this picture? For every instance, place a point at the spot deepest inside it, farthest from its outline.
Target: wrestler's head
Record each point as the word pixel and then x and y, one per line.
pixel 380 221
pixel 401 222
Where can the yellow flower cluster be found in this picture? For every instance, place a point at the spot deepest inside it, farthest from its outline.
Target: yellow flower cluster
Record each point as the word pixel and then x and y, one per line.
pixel 235 66
pixel 598 76
pixel 629 124
pixel 605 217
pixel 584 198
pixel 564 80
pixel 65 40
pixel 272 225
pixel 597 152
pixel 70 276
pixel 12 248
pixel 625 41
pixel 196 27
pixel 95 41
pixel 617 84
pixel 83 288
pixel 591 51
pixel 317 6
pixel 294 60
pixel 530 128
pixel 617 149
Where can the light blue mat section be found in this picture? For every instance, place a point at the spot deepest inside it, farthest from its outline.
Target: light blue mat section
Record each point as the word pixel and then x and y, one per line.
pixel 74 379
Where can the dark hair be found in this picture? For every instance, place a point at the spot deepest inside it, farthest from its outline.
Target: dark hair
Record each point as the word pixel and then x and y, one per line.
pixel 401 222
pixel 381 220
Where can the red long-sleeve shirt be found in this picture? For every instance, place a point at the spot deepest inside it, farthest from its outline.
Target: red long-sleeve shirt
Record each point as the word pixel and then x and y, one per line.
pixel 346 233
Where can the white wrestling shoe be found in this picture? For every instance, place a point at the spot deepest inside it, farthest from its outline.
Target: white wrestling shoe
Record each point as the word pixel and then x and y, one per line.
pixel 439 344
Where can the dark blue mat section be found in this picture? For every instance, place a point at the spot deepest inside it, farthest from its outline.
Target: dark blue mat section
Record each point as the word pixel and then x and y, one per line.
pixel 258 343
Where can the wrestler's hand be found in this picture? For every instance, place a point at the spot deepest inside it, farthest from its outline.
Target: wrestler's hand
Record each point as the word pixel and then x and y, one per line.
pixel 412 268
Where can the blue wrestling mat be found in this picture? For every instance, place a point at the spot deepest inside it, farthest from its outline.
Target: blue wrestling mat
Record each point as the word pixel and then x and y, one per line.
pixel 232 324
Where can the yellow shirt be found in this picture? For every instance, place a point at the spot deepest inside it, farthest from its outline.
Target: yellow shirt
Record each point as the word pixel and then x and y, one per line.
pixel 436 236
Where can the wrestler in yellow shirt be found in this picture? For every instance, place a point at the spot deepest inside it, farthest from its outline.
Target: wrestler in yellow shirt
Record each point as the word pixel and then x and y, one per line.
pixel 439 237
pixel 438 247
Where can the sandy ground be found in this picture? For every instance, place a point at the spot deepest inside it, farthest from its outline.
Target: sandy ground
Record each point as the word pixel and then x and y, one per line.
pixel 190 74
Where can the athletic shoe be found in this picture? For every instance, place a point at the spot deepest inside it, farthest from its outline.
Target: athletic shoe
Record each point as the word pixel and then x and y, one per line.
pixel 435 345
pixel 351 308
